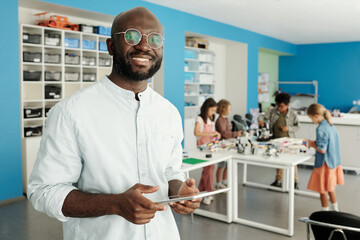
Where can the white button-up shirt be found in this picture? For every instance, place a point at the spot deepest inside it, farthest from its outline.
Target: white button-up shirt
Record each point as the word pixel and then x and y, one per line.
pixel 102 140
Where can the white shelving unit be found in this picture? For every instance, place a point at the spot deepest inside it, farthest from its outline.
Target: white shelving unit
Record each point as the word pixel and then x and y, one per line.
pixel 51 63
pixel 199 79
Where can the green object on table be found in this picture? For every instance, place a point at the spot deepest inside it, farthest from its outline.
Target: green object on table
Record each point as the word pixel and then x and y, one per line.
pixel 193 160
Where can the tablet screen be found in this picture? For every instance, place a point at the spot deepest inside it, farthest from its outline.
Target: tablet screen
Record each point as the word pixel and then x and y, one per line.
pixel 177 198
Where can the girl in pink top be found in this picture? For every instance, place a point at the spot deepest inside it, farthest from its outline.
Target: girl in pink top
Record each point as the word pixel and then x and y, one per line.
pixel 205 133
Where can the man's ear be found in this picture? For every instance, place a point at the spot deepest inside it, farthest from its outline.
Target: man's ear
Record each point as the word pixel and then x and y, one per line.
pixel 110 46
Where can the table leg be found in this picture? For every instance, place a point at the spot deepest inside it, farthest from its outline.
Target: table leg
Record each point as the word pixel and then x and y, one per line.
pixel 291 202
pixel 244 174
pixel 191 214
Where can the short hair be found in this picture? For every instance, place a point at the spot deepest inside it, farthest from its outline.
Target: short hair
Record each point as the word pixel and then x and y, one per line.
pixel 282 98
pixel 223 105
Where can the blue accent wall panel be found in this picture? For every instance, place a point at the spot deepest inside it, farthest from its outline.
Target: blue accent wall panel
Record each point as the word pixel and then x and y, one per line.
pixel 336 67
pixel 10 139
pixel 176 23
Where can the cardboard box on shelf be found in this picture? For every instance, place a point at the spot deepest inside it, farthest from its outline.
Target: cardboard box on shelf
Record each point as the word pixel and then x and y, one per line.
pixel 197 42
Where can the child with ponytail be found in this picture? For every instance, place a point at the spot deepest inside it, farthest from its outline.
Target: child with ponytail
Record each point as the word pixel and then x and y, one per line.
pixel 327 171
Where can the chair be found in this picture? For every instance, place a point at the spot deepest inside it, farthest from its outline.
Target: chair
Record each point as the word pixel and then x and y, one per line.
pixel 238 123
pixel 331 225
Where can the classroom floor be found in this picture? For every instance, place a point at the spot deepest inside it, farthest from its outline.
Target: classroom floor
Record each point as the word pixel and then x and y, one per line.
pixel 19 221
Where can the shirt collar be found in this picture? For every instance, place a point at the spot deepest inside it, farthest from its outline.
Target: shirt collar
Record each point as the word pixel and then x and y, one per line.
pixel 124 92
pixel 323 122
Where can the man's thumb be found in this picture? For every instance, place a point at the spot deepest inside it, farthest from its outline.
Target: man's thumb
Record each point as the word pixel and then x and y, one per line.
pixel 190 182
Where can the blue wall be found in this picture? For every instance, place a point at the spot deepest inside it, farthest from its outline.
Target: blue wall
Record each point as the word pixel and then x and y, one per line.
pixel 336 67
pixel 10 139
pixel 176 23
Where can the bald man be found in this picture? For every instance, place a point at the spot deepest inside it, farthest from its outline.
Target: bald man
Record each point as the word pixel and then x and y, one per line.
pixel 111 149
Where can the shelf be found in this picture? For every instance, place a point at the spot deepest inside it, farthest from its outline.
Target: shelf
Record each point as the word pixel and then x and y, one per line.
pixel 72 82
pixel 89 50
pixel 200 50
pixel 32 63
pixel 52 47
pixel 86 66
pixel 33 100
pixel 52 64
pixel 191 107
pixel 197 60
pixel 32 45
pixel 73 65
pixel 192 83
pixel 72 49
pixel 199 72
pixel 191 95
pixel 33 119
pixel 52 82
pixel 33 82
pixel 104 67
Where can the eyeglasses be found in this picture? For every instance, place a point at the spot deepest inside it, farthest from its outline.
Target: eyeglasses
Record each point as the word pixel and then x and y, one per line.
pixel 133 37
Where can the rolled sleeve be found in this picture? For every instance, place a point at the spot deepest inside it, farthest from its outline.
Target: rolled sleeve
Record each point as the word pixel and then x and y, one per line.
pixel 57 168
pixel 321 140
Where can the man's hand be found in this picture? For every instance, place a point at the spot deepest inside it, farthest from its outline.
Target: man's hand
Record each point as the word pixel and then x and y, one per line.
pixel 186 207
pixel 136 208
pixel 284 128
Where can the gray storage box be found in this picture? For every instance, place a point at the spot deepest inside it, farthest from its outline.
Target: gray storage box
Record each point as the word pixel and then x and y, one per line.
pixel 89 61
pixel 32 75
pixel 89 77
pixel 52 58
pixel 72 76
pixel 52 39
pixel 52 76
pixel 32 57
pixel 71 58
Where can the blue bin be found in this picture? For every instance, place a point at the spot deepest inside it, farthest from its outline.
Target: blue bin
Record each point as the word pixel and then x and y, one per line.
pixel 189 54
pixel 88 44
pixel 189 77
pixel 102 46
pixel 72 42
pixel 102 30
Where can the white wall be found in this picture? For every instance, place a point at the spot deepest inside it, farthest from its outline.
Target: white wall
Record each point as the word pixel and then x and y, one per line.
pixel 220 69
pixel 236 78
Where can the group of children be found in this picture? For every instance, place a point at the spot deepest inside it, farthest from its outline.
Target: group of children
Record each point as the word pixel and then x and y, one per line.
pixel 283 122
pixel 206 130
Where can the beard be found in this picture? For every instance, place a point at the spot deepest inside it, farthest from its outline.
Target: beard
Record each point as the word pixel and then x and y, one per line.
pixel 123 67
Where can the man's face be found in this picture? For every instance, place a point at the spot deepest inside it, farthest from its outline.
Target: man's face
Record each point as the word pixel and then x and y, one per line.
pixel 283 108
pixel 139 62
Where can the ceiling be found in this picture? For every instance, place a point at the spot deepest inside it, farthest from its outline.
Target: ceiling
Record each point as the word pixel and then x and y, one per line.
pixel 294 21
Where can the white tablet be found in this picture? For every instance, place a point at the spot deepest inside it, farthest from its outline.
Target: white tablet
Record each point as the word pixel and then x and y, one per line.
pixel 177 198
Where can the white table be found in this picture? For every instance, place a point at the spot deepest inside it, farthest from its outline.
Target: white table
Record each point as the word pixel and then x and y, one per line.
pixel 284 161
pixel 216 158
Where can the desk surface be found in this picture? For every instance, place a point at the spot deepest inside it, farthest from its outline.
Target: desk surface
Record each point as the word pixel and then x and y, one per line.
pixel 283 159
